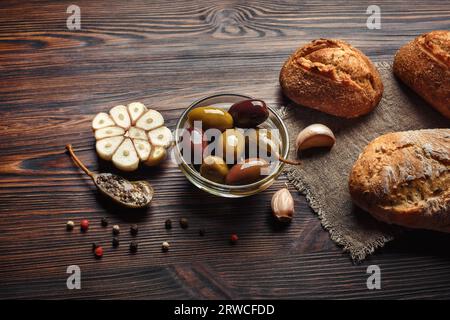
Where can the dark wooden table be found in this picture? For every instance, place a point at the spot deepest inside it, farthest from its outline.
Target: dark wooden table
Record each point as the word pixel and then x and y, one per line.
pixel 167 54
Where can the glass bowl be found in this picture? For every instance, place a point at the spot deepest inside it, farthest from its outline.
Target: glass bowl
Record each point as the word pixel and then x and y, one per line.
pixel 225 100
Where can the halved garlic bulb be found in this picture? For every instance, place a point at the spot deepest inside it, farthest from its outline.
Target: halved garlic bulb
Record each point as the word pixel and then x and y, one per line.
pixel 131 134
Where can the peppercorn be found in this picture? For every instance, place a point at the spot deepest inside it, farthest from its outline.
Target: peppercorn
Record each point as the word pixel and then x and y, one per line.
pixel 201 232
pixel 134 229
pixel 168 224
pixel 165 246
pixel 115 242
pixel 184 223
pixel 105 222
pixel 98 252
pixel 234 238
pixel 84 225
pixel 116 229
pixel 70 225
pixel 94 246
pixel 133 246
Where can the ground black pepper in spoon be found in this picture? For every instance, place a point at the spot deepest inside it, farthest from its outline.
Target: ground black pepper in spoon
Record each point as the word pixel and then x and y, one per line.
pixel 131 194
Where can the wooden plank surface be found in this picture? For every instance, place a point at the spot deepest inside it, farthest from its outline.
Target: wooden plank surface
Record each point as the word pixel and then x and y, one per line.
pixel 167 54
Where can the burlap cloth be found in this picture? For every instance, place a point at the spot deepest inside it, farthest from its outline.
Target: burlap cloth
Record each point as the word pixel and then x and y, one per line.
pixel 323 176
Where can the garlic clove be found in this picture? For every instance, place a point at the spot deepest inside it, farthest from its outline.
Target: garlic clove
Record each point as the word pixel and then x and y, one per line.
pixel 150 120
pixel 136 133
pixel 143 148
pixel 125 158
pixel 106 147
pixel 157 155
pixel 102 120
pixel 136 110
pixel 120 116
pixel 160 137
pixel 314 136
pixel 282 205
pixel 109 132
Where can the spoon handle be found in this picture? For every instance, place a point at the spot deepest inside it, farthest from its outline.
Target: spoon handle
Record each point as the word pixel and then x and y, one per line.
pixel 78 161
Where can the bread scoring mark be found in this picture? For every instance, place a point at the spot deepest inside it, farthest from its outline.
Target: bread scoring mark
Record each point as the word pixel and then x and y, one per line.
pixel 416 182
pixel 334 70
pixel 436 44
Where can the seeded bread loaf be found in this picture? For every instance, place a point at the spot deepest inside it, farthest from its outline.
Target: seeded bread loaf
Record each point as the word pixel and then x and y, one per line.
pixel 424 66
pixel 333 77
pixel 403 178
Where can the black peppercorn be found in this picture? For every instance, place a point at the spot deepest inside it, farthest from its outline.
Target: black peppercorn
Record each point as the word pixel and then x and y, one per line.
pixel 115 242
pixel 116 229
pixel 168 224
pixel 105 222
pixel 94 246
pixel 134 229
pixel 184 223
pixel 201 232
pixel 133 247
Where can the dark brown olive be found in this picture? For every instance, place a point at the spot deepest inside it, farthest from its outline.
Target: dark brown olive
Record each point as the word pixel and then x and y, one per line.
pixel 246 172
pixel 249 113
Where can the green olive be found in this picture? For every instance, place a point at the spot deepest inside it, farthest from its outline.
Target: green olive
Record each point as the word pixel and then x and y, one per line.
pixel 211 117
pixel 232 144
pixel 262 143
pixel 246 172
pixel 214 168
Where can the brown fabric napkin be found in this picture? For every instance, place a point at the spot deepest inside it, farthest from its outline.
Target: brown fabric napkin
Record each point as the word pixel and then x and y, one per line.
pixel 323 176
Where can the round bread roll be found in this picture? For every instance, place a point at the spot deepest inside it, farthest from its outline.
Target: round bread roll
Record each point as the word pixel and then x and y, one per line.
pixel 333 77
pixel 403 178
pixel 424 66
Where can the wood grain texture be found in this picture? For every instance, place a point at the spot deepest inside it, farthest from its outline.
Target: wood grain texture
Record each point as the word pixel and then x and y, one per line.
pixel 167 54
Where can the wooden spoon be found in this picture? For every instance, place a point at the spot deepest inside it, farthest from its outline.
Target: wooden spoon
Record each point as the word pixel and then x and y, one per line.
pixel 131 194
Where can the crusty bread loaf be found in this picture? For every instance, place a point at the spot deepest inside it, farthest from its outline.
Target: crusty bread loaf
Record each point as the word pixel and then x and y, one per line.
pixel 333 77
pixel 424 66
pixel 404 178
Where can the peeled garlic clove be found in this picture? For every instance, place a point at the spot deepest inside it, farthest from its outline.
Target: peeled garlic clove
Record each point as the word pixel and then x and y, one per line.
pixel 136 133
pixel 143 148
pixel 120 116
pixel 313 136
pixel 160 137
pixel 106 147
pixel 150 120
pixel 109 132
pixel 102 120
pixel 157 155
pixel 282 205
pixel 125 158
pixel 136 110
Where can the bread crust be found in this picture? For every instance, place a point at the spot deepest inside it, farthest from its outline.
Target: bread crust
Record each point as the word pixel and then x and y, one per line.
pixel 403 178
pixel 333 77
pixel 424 65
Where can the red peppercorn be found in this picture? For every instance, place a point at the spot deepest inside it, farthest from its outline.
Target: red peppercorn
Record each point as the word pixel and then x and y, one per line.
pixel 234 238
pixel 84 224
pixel 98 252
